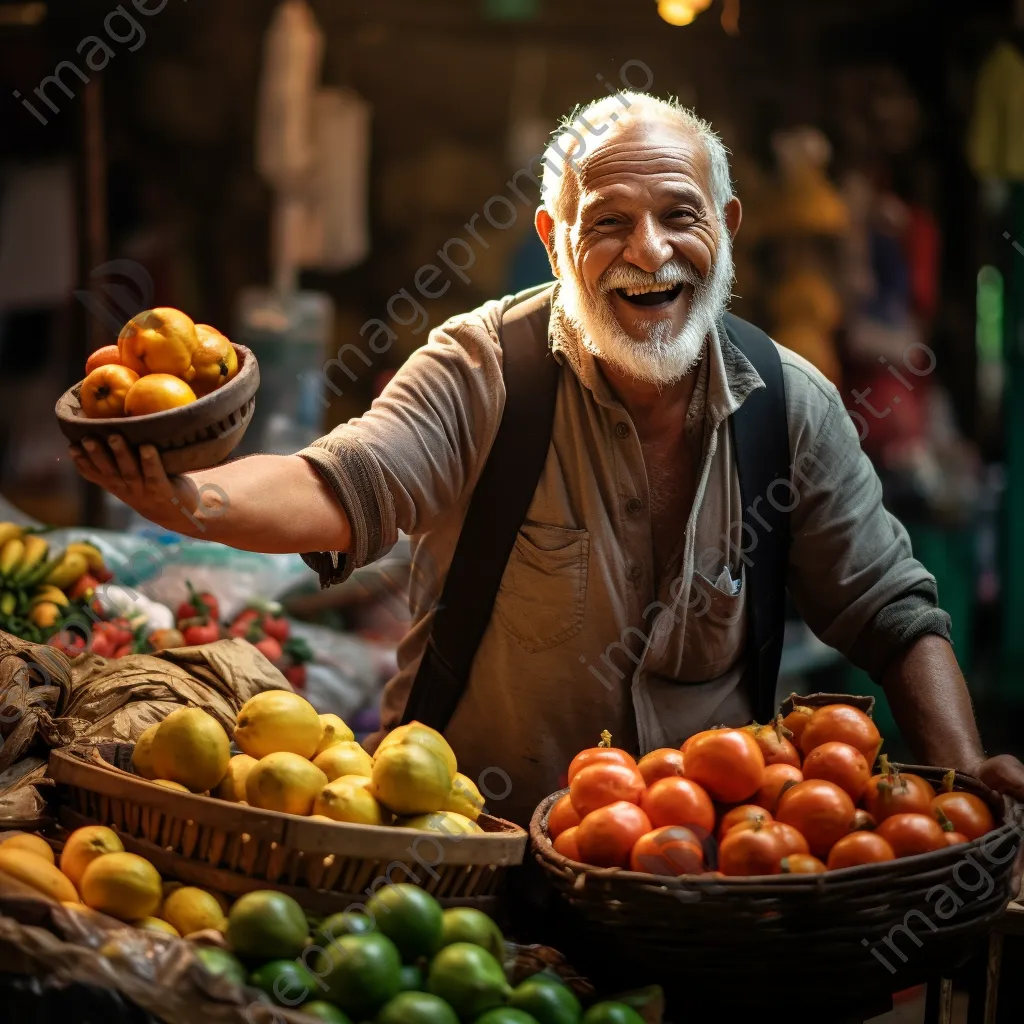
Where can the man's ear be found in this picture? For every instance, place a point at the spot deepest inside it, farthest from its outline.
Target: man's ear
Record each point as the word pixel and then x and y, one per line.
pixel 733 215
pixel 546 229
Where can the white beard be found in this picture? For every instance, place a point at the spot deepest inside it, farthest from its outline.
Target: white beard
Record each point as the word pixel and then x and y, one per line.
pixel 661 357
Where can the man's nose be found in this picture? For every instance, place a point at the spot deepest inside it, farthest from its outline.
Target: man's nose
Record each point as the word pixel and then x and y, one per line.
pixel 648 246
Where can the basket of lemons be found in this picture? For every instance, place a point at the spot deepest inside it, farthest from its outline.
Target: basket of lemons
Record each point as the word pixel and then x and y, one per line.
pixel 296 804
pixel 183 387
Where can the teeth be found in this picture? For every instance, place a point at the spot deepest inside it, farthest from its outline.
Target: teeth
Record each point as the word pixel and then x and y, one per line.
pixel 644 289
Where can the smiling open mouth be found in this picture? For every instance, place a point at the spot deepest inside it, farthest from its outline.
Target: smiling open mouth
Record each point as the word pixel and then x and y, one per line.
pixel 647 298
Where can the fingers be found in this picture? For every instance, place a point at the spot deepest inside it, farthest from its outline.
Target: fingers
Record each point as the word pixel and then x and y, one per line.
pixel 98 454
pixel 84 465
pixel 127 464
pixel 153 471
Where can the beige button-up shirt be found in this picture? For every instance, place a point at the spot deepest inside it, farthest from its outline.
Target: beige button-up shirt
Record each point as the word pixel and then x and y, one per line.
pixel 587 633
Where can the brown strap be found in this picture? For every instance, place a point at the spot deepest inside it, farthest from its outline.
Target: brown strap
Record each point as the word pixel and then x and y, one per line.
pixel 496 512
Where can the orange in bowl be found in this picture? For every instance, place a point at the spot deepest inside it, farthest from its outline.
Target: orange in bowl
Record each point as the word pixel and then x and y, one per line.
pixel 102 357
pixel 157 392
pixel 213 362
pixel 105 391
pixel 158 340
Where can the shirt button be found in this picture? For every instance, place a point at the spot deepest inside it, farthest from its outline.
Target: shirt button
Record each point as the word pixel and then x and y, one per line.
pixel 634 505
pixel 634 572
pixel 622 429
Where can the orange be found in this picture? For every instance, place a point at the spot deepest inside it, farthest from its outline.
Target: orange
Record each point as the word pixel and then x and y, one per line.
pixel 105 391
pixel 85 845
pixel 102 357
pixel 214 361
pixel 562 816
pixel 603 783
pixel 158 340
pixel 669 850
pixel 678 801
pixel 606 836
pixel 157 392
pixel 565 843
pixel 663 763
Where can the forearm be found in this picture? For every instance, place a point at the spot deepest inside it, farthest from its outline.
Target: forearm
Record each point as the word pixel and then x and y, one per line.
pixel 931 705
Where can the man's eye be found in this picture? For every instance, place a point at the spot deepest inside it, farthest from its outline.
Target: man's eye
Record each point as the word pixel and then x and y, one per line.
pixel 607 222
pixel 684 214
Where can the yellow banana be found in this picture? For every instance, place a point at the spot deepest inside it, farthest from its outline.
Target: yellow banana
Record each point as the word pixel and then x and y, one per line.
pixel 72 568
pixel 48 592
pixel 92 554
pixel 8 602
pixel 44 614
pixel 10 555
pixel 35 551
pixel 9 531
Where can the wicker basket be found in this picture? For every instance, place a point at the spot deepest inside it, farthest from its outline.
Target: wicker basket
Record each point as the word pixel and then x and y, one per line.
pixel 850 935
pixel 236 848
pixel 194 436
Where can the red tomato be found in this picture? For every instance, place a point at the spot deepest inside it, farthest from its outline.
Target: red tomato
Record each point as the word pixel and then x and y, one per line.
pixel 968 813
pixel 801 864
pixel 893 792
pixel 820 810
pixel 606 836
pixel 843 724
pixel 862 821
pixel 728 763
pixel 561 816
pixel 909 834
pixel 603 783
pixel 296 675
pixel 776 778
pixel 840 763
pixel 746 815
pixel 124 650
pixel 955 838
pixel 565 844
pixel 102 644
pixel 678 801
pixel 599 755
pixel 276 626
pixel 268 647
pixel 84 587
pixel 796 720
pixel 689 742
pixel 199 606
pixel 670 850
pixel 120 631
pixel 751 851
pixel 860 848
pixel 792 840
pixel 775 749
pixel 199 632
pixel 242 623
pixel 663 763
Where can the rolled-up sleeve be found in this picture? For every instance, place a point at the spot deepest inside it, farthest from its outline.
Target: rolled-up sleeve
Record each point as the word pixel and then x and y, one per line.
pixel 411 456
pixel 852 573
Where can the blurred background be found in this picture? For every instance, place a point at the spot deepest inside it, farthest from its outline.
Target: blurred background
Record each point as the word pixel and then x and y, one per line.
pixel 287 170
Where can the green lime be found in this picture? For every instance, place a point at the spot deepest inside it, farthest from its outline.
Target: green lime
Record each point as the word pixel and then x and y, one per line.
pixel 612 1013
pixel 469 978
pixel 410 917
pixel 466 924
pixel 347 922
pixel 548 1000
pixel 410 979
pixel 287 982
pixel 361 972
pixel 220 962
pixel 324 1011
pixel 416 1008
pixel 506 1015
pixel 265 925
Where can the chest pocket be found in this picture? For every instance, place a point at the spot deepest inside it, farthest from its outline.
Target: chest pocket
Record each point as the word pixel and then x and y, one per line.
pixel 716 630
pixel 543 592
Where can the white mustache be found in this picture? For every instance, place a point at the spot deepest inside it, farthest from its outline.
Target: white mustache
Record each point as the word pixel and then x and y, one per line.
pixel 670 275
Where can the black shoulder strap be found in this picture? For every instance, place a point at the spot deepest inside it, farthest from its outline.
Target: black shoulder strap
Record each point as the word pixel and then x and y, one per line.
pixel 496 512
pixel 760 436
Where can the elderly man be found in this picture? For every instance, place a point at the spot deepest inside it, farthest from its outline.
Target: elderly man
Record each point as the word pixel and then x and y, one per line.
pixel 636 574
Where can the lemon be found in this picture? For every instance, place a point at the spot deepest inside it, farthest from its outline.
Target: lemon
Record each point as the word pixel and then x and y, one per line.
pixel 32 844
pixel 83 846
pixel 448 823
pixel 168 784
pixel 464 798
pixel 278 720
pixel 345 758
pixel 142 755
pixel 154 924
pixel 232 786
pixel 122 885
pixel 191 748
pixel 284 781
pixel 189 910
pixel 349 799
pixel 335 731
pixel 409 778
pixel 417 732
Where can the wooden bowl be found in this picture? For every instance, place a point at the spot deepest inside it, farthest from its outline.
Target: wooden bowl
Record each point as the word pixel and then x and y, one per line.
pixel 194 436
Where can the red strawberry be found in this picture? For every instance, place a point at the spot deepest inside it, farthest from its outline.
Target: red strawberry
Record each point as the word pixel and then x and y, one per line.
pixel 276 626
pixel 242 622
pixel 269 648
pixel 198 631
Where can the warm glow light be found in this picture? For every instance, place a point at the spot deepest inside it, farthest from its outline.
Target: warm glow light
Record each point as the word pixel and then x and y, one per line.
pixel 681 12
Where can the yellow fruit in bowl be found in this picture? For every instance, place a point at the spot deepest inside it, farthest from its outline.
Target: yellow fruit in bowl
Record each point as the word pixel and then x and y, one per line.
pixel 278 720
pixel 191 748
pixel 284 781
pixel 154 924
pixel 335 731
pixel 159 340
pixel 409 778
pixel 31 843
pixel 346 758
pixel 157 392
pixel 105 391
pixel 214 361
pixel 85 845
pixel 142 755
pixel 349 799
pixel 38 873
pixel 464 798
pixel 447 823
pixel 169 784
pixel 417 732
pixel 190 909
pixel 232 786
pixel 123 885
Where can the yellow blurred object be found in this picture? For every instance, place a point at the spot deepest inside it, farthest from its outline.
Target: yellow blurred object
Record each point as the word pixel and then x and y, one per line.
pixel 123 885
pixel 278 720
pixel 192 748
pixel 48 592
pixel 38 873
pixel 10 555
pixel 32 844
pixel 171 784
pixel 92 555
pixel 71 568
pixel 33 555
pixel 348 798
pixel 44 614
pixel 232 786
pixel 158 340
pixel 346 758
pixel 447 823
pixel 190 909
pixel 417 732
pixel 142 755
pixel 409 778
pixel 681 12
pixel 214 361
pixel 334 731
pixel 85 845
pixel 155 924
pixel 286 782
pixel 464 798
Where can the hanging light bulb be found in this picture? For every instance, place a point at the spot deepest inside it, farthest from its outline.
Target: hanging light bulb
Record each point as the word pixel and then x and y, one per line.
pixel 681 12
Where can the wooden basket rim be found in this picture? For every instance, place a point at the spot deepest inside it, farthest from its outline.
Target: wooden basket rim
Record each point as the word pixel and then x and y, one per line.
pixel 504 844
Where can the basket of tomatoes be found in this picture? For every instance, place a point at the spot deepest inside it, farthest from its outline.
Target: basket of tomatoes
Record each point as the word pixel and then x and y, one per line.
pixel 749 854
pixel 180 386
